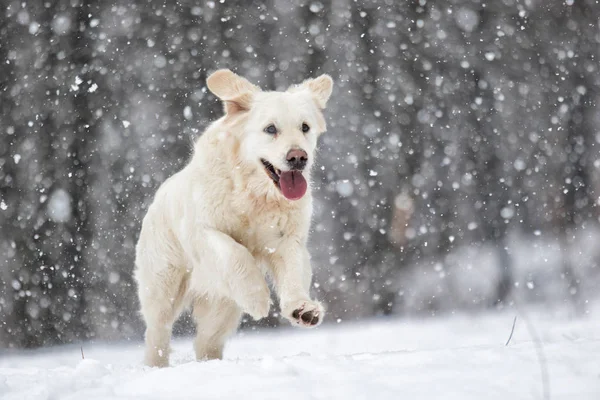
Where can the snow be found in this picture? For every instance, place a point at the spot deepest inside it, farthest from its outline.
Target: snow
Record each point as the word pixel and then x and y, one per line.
pixel 61 24
pixel 344 188
pixel 453 357
pixel 59 206
pixel 187 112
pixel 467 19
pixel 488 167
pixel 490 56
pixel 315 7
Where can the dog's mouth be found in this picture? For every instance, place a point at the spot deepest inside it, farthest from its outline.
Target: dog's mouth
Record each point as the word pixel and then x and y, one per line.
pixel 271 171
pixel 291 183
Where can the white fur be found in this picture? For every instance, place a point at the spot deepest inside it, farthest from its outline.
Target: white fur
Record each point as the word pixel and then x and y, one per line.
pixel 220 225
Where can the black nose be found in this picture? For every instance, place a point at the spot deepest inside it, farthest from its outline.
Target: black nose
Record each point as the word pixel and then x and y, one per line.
pixel 297 159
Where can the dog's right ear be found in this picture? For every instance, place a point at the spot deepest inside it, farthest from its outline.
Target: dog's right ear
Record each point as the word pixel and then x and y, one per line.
pixel 235 92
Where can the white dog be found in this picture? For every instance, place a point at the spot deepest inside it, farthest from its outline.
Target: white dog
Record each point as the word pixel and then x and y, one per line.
pixel 240 210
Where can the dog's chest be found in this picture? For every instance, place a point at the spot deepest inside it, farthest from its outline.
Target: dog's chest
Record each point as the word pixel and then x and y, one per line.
pixel 262 233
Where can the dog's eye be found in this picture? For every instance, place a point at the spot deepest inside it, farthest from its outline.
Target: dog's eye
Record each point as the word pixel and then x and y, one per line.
pixel 271 129
pixel 305 128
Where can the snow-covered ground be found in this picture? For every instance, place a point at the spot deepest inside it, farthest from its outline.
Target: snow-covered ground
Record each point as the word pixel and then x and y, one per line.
pixel 454 357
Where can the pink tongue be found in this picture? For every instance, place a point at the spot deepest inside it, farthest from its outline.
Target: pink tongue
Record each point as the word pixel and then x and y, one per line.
pixel 293 185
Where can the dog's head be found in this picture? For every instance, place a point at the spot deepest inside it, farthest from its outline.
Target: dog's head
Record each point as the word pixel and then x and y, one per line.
pixel 279 130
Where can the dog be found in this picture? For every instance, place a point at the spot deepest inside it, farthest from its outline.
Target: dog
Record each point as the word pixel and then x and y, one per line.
pixel 238 213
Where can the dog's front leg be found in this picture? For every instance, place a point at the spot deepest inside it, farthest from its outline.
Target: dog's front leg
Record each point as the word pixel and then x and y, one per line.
pixel 226 268
pixel 292 275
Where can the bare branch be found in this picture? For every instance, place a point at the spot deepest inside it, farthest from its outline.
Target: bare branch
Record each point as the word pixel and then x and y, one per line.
pixel 511 331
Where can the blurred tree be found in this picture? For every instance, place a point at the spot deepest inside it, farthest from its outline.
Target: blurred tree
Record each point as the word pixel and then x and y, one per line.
pixel 456 129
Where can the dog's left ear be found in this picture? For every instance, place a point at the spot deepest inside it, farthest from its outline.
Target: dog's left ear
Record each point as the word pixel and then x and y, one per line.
pixel 235 92
pixel 320 88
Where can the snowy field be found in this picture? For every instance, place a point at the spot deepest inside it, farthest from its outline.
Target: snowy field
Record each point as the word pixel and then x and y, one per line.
pixel 454 357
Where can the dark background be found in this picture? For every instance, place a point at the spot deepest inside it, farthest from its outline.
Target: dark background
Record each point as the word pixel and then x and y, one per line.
pixel 459 171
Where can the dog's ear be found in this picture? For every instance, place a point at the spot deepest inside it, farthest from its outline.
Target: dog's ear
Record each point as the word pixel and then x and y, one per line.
pixel 320 88
pixel 235 92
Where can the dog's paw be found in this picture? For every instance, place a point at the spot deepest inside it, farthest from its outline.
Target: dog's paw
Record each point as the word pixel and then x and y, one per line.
pixel 257 304
pixel 305 313
pixel 156 357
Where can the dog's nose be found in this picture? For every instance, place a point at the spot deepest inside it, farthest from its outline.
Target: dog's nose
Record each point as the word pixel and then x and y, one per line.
pixel 297 159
